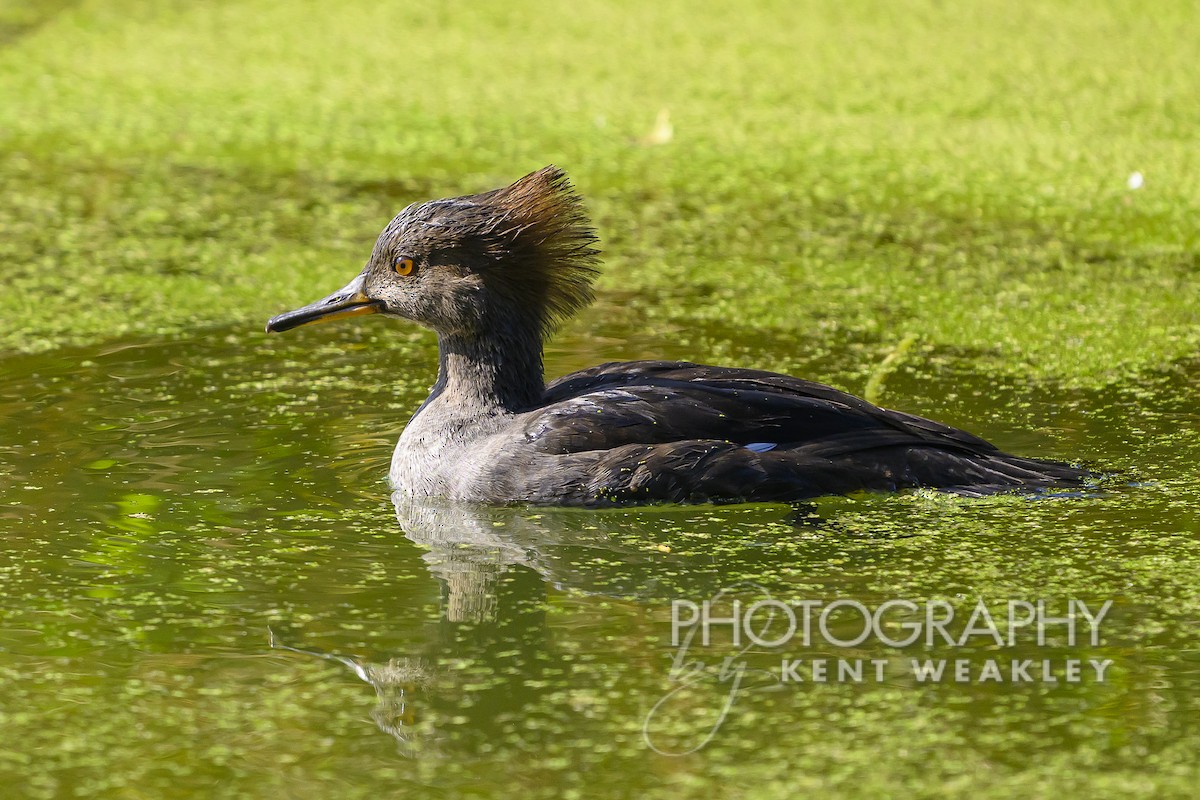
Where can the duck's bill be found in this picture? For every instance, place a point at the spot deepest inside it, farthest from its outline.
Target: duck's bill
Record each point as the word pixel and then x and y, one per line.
pixel 350 301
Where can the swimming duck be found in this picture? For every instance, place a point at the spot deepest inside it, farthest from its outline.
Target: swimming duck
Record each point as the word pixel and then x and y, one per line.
pixel 494 273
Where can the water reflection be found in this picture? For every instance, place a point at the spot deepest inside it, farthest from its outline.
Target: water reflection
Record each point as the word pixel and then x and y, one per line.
pixel 616 553
pixel 495 670
pixel 398 684
pixel 487 675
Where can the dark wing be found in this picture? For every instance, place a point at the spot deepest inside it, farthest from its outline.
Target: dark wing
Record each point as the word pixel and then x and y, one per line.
pixel 649 402
pixel 682 432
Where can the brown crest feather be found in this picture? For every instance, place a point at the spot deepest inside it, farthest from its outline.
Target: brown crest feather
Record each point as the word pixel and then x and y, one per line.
pixel 540 243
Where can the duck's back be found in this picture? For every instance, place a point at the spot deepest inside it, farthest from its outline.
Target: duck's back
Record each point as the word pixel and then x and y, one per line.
pixel 668 431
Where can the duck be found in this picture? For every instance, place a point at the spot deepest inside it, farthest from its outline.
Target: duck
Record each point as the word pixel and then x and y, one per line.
pixel 494 274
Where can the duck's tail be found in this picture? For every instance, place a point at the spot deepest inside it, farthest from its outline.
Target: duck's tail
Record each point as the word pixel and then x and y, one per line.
pixel 962 468
pixel 1000 472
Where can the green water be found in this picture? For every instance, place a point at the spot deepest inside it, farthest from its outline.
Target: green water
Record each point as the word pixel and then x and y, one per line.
pixel 207 593
pixel 205 589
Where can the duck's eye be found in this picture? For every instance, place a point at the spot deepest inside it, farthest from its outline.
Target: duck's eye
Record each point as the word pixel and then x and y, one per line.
pixel 404 266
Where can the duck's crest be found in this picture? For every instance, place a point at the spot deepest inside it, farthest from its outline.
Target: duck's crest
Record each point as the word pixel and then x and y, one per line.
pixel 543 244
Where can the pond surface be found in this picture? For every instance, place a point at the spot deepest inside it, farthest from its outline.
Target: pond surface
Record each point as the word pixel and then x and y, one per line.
pixel 209 593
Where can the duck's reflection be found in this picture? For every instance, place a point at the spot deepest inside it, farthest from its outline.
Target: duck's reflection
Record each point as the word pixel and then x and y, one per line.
pixel 493 672
pixel 396 683
pixel 469 547
pixel 489 668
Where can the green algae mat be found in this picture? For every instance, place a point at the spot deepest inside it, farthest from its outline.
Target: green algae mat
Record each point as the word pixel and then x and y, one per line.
pixel 983 213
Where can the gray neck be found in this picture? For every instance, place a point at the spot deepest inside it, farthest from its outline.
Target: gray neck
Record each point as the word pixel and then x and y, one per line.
pixel 488 375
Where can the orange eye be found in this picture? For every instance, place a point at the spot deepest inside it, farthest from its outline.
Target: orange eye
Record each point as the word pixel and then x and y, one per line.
pixel 404 267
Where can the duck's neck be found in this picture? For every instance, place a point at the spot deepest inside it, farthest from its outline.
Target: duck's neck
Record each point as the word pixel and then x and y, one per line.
pixel 485 376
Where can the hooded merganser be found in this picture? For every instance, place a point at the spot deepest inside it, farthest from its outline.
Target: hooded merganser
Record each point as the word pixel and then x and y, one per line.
pixel 494 273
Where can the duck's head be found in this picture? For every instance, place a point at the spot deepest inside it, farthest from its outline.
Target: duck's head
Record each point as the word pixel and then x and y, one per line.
pixel 523 255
